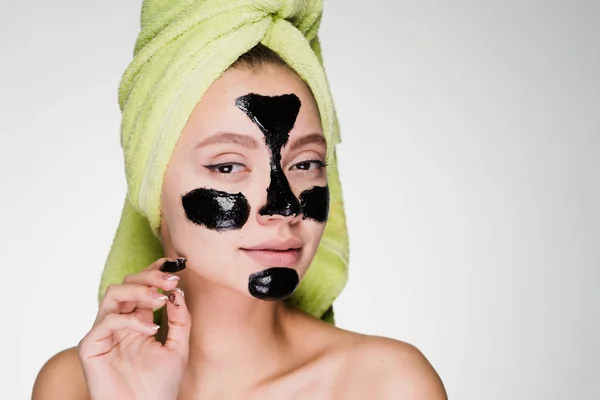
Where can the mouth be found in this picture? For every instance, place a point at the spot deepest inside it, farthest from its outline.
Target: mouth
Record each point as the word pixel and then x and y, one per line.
pixel 275 258
pixel 276 253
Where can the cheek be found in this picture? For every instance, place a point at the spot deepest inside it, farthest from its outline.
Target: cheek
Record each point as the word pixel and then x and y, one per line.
pixel 314 231
pixel 210 223
pixel 215 209
pixel 311 233
pixel 211 253
pixel 315 203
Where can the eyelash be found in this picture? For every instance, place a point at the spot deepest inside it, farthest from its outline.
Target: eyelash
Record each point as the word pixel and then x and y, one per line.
pixel 319 163
pixel 215 167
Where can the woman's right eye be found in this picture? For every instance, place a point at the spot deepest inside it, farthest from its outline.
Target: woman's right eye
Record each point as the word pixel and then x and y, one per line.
pixel 226 168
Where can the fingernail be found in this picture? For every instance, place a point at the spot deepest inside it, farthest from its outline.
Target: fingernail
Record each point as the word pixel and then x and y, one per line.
pixel 158 295
pixel 169 277
pixel 150 325
pixel 174 266
pixel 180 291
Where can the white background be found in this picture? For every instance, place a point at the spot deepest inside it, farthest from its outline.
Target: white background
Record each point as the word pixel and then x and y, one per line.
pixel 471 134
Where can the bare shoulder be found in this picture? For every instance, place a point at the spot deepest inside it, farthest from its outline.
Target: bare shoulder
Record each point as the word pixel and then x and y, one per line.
pixel 393 368
pixel 364 366
pixel 61 378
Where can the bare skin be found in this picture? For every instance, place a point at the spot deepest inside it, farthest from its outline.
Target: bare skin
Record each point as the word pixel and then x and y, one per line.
pixel 338 365
pixel 233 345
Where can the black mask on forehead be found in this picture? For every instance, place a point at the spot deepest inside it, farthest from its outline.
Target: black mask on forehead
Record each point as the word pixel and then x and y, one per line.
pixel 275 116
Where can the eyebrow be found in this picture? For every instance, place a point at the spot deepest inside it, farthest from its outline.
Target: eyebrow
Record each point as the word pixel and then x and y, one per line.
pixel 230 138
pixel 315 138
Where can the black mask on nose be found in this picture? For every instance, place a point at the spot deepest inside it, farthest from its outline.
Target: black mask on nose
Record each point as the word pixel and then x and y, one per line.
pixel 275 116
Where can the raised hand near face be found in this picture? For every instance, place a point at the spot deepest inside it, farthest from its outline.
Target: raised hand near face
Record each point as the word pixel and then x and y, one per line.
pixel 120 356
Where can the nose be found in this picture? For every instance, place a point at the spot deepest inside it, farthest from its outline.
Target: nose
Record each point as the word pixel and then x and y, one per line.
pixel 290 218
pixel 281 201
pixel 281 206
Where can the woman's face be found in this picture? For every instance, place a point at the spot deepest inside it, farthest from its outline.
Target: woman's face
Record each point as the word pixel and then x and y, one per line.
pixel 245 196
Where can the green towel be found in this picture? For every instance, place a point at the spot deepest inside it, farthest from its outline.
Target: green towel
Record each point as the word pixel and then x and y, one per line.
pixel 183 47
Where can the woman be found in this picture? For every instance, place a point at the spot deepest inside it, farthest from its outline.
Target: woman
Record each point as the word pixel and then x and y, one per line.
pixel 243 204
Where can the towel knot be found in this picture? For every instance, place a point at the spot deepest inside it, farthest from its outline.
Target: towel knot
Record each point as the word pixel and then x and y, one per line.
pixel 164 22
pixel 281 8
pixel 294 12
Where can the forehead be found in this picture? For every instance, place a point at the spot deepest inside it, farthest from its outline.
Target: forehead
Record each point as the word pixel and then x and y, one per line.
pixel 217 111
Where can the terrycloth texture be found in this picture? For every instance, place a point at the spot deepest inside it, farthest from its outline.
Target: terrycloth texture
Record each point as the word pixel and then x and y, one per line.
pixel 183 47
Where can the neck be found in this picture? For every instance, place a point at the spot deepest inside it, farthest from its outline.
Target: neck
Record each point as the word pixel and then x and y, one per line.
pixel 232 334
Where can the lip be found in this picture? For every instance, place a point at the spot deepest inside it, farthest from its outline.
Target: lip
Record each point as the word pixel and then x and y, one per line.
pixel 275 258
pixel 276 252
pixel 290 243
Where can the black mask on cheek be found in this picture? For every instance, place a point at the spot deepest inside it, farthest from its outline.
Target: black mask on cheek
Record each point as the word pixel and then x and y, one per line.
pixel 215 209
pixel 315 203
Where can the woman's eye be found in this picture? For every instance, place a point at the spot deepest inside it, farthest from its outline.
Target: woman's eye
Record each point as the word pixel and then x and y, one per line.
pixel 226 168
pixel 308 165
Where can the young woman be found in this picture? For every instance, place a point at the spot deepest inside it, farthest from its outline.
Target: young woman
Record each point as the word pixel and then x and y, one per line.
pixel 244 204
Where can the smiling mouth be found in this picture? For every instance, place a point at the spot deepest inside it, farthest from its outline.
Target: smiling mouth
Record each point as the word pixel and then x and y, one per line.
pixel 276 252
pixel 275 258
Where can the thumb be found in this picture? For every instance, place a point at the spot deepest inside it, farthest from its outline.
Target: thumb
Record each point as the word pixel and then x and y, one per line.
pixel 180 323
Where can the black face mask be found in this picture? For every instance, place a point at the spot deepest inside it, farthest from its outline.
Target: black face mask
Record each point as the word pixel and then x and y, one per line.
pixel 275 116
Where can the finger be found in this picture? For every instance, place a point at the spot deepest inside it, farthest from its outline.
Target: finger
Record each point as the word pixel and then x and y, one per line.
pixel 145 314
pixel 125 298
pixel 180 323
pixel 127 307
pixel 153 276
pixel 100 340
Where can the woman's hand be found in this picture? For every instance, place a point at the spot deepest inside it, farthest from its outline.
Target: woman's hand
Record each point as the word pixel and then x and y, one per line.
pixel 120 356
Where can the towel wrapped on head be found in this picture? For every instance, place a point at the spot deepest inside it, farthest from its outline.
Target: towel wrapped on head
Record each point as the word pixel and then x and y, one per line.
pixel 183 47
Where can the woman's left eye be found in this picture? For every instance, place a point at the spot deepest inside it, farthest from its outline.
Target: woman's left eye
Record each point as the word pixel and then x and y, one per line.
pixel 309 164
